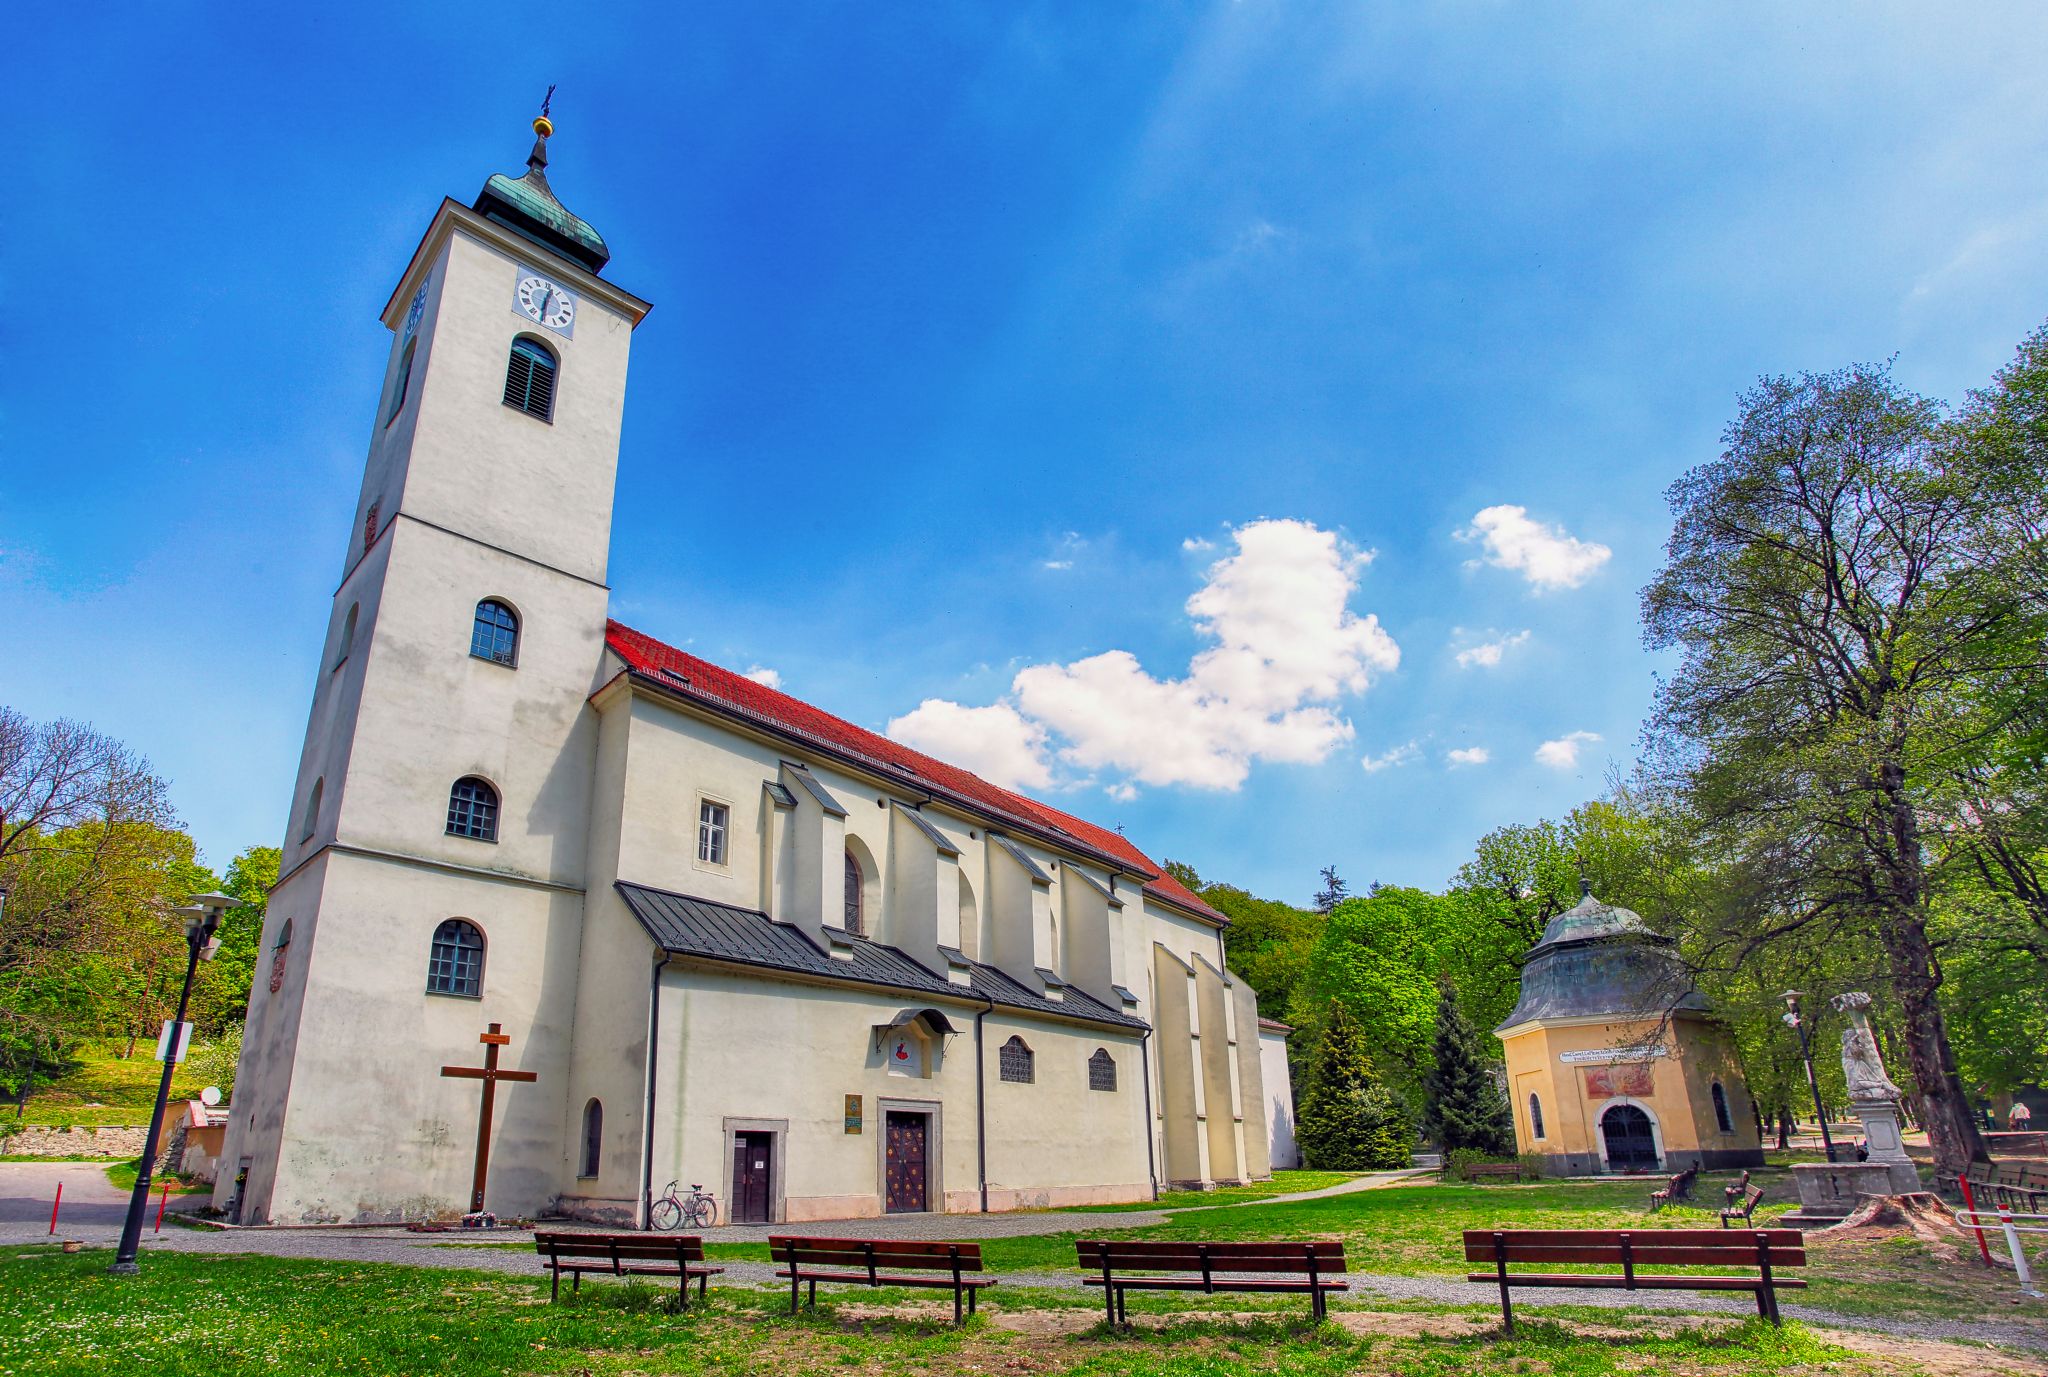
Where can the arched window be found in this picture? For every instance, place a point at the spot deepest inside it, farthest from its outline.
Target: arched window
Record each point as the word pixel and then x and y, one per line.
pixel 1721 1119
pixel 854 883
pixel 404 383
pixel 313 810
pixel 1016 1061
pixel 473 810
pixel 455 966
pixel 593 1137
pixel 495 636
pixel 348 635
pixel 530 378
pixel 1102 1070
pixel 1535 1116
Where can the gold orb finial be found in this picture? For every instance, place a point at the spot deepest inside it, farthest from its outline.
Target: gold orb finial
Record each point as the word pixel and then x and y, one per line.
pixel 543 126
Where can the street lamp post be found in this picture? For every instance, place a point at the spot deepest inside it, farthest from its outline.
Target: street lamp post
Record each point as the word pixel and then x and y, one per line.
pixel 1812 1081
pixel 202 919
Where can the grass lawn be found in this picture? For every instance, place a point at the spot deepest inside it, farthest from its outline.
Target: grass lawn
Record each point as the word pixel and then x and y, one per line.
pixel 104 1090
pixel 226 1316
pixel 1282 1183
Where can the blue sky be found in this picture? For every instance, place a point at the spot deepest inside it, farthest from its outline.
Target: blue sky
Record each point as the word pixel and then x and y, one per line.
pixel 986 338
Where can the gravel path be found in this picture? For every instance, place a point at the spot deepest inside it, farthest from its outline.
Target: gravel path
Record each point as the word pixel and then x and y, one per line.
pixel 25 1203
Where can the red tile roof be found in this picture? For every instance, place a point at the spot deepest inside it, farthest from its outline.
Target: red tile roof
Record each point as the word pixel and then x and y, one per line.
pixel 734 694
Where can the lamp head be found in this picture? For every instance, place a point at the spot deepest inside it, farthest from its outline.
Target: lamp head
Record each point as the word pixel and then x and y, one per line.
pixel 202 916
pixel 1791 998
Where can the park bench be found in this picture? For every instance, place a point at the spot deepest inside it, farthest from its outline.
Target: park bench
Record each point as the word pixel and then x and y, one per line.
pixel 862 1262
pixel 1731 1194
pixel 625 1255
pixel 2003 1183
pixel 1766 1250
pixel 1307 1267
pixel 1743 1211
pixel 1480 1171
pixel 1678 1187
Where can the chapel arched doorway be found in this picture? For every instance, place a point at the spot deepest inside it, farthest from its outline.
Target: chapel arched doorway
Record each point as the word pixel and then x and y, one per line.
pixel 1631 1143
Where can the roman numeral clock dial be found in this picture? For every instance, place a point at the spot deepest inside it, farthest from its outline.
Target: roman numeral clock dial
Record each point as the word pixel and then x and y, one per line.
pixel 545 303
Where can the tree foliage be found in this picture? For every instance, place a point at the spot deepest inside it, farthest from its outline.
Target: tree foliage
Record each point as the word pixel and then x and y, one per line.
pixel 1348 1120
pixel 1464 1107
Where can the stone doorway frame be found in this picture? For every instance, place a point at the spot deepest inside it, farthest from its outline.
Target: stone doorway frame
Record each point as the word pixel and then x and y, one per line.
pixel 778 1164
pixel 934 1161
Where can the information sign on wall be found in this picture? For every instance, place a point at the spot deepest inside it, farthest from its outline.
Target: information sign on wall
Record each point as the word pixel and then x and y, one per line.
pixel 853 1113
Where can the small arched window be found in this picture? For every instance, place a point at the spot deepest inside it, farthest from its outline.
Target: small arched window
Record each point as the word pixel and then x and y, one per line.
pixel 404 383
pixel 313 810
pixel 495 636
pixel 593 1138
pixel 1016 1061
pixel 455 966
pixel 530 378
pixel 1721 1119
pixel 854 882
pixel 1102 1070
pixel 348 635
pixel 1535 1116
pixel 473 810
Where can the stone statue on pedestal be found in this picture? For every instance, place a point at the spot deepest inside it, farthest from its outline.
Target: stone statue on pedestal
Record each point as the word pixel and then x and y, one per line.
pixel 1872 1095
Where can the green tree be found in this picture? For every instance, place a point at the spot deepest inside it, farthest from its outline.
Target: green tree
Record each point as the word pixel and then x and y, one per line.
pixel 221 996
pixel 1464 1106
pixel 1348 1120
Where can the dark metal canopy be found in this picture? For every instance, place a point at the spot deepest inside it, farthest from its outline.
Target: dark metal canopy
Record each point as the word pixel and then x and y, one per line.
pixel 1598 959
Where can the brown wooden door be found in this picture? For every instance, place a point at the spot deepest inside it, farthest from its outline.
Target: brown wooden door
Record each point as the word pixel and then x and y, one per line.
pixel 906 1185
pixel 751 1165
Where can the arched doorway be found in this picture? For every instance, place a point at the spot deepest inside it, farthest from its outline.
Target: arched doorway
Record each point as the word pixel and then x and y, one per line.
pixel 1631 1143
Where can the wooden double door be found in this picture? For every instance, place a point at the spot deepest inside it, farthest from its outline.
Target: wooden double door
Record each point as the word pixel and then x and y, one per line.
pixel 906 1166
pixel 753 1161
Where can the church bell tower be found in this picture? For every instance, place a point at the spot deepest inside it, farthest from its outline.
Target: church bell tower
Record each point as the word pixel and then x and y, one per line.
pixel 432 878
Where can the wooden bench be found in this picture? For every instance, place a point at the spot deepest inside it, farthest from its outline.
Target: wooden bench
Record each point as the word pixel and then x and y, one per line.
pixel 625 1255
pixel 1750 1197
pixel 1678 1187
pixel 1475 1171
pixel 1766 1250
pixel 2024 1184
pixel 861 1262
pixel 1306 1267
pixel 1731 1194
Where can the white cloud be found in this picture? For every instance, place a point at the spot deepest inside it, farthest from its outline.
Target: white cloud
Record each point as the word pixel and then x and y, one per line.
pixel 1563 753
pixel 1287 648
pixel 1546 556
pixel 1122 793
pixel 1197 545
pixel 995 742
pixel 1468 755
pixel 1486 654
pixel 761 674
pixel 1058 564
pixel 1391 760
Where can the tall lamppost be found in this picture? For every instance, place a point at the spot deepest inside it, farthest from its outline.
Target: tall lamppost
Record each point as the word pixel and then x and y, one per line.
pixel 1812 1081
pixel 202 919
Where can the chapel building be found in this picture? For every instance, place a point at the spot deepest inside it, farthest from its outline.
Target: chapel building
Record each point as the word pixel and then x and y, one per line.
pixel 1615 1062
pixel 722 935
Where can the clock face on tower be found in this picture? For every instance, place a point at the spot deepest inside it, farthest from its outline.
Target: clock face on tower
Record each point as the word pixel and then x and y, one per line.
pixel 545 303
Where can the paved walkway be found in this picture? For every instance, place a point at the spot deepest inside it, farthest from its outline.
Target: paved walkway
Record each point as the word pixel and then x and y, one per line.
pixel 25 1216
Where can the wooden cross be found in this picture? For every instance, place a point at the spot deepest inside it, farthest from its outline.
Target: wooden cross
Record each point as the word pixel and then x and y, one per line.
pixel 490 1075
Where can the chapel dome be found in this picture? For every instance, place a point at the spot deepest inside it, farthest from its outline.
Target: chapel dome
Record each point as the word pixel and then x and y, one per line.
pixel 528 206
pixel 1601 960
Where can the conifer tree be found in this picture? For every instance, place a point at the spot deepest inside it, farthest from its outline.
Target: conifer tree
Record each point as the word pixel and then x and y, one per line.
pixel 1463 1107
pixel 1348 1120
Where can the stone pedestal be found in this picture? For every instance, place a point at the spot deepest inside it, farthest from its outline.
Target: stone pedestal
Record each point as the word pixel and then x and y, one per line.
pixel 1881 1138
pixel 1828 1191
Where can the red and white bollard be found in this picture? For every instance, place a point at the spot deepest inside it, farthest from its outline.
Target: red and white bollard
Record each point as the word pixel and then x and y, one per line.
pixel 55 1205
pixel 162 1201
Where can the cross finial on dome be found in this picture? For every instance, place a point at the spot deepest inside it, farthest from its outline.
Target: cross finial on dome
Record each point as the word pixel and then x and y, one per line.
pixel 1585 885
pixel 542 127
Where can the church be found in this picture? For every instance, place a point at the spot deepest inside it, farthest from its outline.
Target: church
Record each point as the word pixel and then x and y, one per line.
pixel 702 931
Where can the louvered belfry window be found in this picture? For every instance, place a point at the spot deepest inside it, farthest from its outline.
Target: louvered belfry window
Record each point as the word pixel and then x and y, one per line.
pixel 530 379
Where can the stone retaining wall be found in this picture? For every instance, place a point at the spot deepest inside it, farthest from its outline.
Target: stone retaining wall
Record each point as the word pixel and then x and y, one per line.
pixel 36 1140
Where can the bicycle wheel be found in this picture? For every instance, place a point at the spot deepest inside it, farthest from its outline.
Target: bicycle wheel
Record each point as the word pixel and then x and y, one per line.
pixel 701 1212
pixel 665 1215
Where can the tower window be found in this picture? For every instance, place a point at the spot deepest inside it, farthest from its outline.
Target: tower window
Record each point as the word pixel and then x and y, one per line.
pixel 853 896
pixel 455 966
pixel 713 819
pixel 1102 1070
pixel 1017 1062
pixel 1535 1116
pixel 530 378
pixel 313 810
pixel 348 635
pixel 404 383
pixel 1721 1119
pixel 593 1138
pixel 495 637
pixel 473 810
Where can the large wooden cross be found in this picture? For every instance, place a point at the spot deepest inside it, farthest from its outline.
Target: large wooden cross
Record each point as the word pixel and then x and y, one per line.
pixel 490 1075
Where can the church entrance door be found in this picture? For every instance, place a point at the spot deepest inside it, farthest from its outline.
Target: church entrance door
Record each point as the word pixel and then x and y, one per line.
pixel 750 1171
pixel 1631 1146
pixel 905 1184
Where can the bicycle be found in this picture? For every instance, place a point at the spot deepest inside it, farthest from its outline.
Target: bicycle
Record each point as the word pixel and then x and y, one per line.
pixel 671 1211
